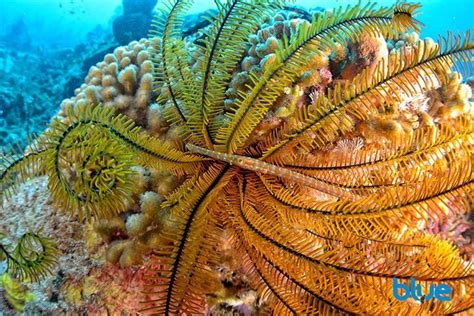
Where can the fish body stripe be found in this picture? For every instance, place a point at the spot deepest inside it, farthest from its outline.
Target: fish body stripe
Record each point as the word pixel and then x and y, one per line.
pixel 263 167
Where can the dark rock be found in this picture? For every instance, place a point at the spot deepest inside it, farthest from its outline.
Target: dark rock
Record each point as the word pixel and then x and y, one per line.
pixel 18 35
pixel 138 6
pixel 71 84
pixel 79 49
pixel 470 81
pixel 131 27
pixel 135 21
pixel 95 57
pixel 300 10
pixel 317 9
pixel 194 22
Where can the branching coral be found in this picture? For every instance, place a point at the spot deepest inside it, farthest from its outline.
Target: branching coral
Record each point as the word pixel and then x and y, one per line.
pixel 321 208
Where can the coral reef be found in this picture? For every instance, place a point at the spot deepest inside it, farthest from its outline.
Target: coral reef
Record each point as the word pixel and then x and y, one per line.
pixel 257 166
pixel 35 82
pixel 263 45
pixel 123 80
pixel 82 279
pixel 25 103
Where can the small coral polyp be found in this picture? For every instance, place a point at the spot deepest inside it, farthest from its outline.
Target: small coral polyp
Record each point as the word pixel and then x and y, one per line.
pixel 276 165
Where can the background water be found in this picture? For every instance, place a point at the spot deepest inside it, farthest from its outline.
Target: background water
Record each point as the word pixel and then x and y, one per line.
pixel 47 46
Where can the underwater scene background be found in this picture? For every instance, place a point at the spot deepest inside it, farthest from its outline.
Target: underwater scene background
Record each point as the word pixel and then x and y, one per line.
pixel 251 158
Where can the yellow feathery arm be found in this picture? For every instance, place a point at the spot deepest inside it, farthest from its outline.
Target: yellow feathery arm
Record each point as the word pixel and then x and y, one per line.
pixel 203 278
pixel 423 139
pixel 323 33
pixel 313 245
pixel 277 304
pixel 405 169
pixel 335 265
pixel 282 301
pixel 294 295
pixel 377 216
pixel 170 56
pixel 330 283
pixel 362 294
pixel 299 296
pixel 179 258
pixel 224 46
pixel 33 258
pixel 259 282
pixel 16 167
pixel 336 112
pixel 404 17
pixel 89 161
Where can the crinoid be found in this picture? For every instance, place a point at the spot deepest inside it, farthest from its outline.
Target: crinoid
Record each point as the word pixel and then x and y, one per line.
pixel 33 257
pixel 317 227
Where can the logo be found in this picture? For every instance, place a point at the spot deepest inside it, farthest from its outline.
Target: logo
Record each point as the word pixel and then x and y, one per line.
pixel 402 292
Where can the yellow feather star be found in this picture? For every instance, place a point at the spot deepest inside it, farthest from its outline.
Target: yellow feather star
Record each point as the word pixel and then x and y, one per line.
pixel 316 231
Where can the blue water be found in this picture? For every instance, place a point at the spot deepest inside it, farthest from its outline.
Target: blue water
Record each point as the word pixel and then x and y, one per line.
pixel 66 22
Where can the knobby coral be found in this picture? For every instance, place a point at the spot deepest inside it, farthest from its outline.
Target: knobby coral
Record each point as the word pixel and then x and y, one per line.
pixel 320 210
